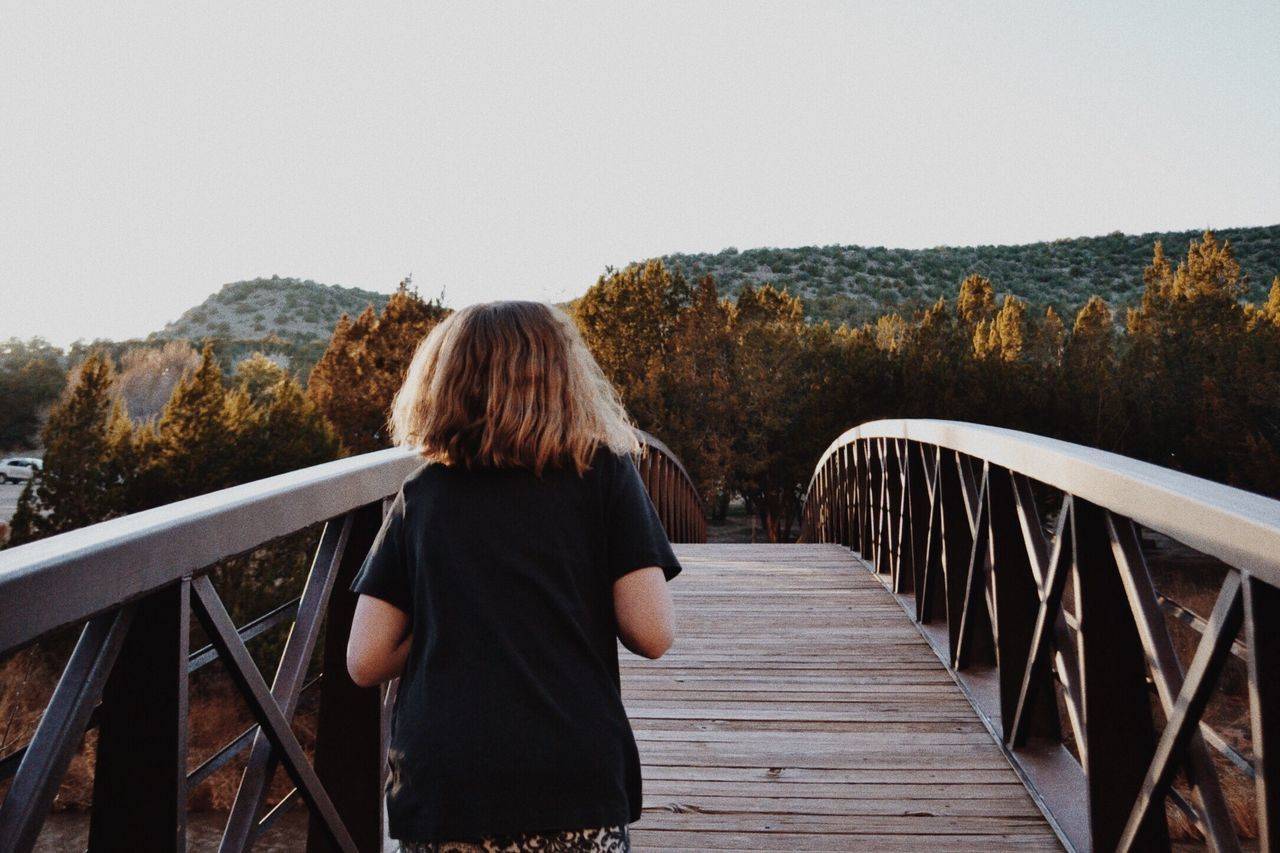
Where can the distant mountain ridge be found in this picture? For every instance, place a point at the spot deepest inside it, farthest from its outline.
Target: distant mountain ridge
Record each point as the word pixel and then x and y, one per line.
pixel 853 284
pixel 287 308
pixel 856 284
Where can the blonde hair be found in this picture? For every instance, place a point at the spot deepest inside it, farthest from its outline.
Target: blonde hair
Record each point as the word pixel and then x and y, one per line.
pixel 509 384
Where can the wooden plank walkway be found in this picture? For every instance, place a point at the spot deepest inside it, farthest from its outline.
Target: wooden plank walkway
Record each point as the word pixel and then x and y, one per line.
pixel 800 709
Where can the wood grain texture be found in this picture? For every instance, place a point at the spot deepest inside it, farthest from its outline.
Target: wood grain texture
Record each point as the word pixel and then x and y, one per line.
pixel 801 710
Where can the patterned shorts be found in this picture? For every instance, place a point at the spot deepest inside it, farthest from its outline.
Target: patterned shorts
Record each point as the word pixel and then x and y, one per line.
pixel 605 839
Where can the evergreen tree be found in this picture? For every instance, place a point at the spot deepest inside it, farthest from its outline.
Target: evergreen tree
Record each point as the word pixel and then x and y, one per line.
pixel 628 320
pixel 890 332
pixel 935 365
pixel 1093 407
pixel 83 481
pixel 285 432
pixel 355 381
pixel 259 377
pixel 772 452
pixel 1049 341
pixel 976 302
pixel 696 392
pixel 1271 310
pixel 31 377
pixel 1004 336
pixel 335 384
pixel 192 449
pixel 1180 366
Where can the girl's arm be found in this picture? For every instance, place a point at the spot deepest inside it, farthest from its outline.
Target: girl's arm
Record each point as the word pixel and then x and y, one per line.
pixel 642 606
pixel 379 643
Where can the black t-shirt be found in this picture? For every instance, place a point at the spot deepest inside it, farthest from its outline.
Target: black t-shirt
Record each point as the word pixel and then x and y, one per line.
pixel 509 714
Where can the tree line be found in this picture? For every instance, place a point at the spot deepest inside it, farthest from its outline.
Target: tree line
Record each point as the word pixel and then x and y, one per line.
pixel 748 394
pixel 744 390
pixel 856 284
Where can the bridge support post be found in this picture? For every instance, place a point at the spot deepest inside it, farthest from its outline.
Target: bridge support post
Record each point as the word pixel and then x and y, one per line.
pixel 1017 598
pixel 1119 733
pixel 349 734
pixel 1262 609
pixel 140 785
pixel 957 546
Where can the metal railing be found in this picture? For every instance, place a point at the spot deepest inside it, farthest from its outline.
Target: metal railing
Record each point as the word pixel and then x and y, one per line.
pixel 674 495
pixel 977 531
pixel 133 583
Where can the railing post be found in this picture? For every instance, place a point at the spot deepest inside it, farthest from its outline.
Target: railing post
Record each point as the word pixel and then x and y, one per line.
pixel 349 736
pixel 845 497
pixel 957 543
pixel 855 497
pixel 1119 734
pixel 833 498
pixel 670 492
pixel 916 520
pixel 140 781
pixel 1262 608
pixel 931 592
pixel 1017 597
pixel 894 512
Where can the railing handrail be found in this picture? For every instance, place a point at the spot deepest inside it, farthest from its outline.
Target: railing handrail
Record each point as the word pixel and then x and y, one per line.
pixel 59 581
pixel 1236 526
pixel 653 441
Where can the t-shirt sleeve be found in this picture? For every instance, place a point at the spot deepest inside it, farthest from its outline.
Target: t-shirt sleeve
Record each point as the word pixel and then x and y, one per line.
pixel 386 571
pixel 635 534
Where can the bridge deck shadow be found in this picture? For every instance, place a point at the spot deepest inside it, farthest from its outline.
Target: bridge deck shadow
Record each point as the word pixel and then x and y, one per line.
pixel 800 709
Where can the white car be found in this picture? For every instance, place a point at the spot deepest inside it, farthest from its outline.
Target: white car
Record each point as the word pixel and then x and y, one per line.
pixel 18 468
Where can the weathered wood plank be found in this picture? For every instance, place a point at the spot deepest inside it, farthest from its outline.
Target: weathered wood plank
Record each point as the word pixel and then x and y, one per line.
pixel 800 710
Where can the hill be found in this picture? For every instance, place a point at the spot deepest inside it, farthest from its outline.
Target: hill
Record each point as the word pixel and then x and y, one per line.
pixel 284 308
pixel 856 284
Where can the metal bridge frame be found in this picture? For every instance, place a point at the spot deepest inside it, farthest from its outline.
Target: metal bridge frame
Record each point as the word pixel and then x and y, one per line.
pixel 946 513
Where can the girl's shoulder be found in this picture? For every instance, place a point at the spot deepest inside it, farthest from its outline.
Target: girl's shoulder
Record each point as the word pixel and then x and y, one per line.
pixel 608 462
pixel 422 479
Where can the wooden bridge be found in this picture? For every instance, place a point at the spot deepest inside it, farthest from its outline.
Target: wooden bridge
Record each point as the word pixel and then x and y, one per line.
pixel 920 675
pixel 800 710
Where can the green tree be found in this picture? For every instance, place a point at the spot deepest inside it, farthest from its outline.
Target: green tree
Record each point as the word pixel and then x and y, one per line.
pixel 259 376
pixel 936 364
pixel 695 383
pixel 283 431
pixel 1259 381
pixel 774 384
pixel 976 302
pixel 1093 404
pixel 628 319
pixel 355 381
pixel 83 481
pixel 1181 364
pixel 31 377
pixel 192 448
pixel 1004 335
pixel 1049 341
pixel 890 332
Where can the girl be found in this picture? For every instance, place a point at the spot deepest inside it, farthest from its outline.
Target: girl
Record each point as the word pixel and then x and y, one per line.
pixel 503 576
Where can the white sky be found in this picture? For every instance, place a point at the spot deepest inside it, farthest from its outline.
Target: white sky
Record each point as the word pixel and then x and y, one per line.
pixel 150 153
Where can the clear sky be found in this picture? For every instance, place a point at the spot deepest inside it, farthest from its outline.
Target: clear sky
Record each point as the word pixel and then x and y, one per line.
pixel 150 153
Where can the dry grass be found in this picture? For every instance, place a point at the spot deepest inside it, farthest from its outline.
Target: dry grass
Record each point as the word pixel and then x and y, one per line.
pixel 217 715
